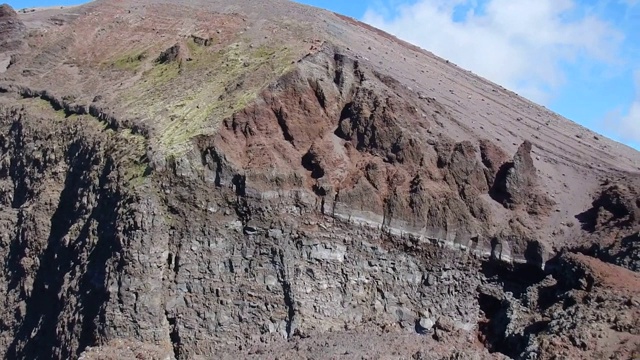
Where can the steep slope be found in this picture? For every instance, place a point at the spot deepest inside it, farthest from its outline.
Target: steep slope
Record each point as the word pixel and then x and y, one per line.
pixel 191 179
pixel 11 35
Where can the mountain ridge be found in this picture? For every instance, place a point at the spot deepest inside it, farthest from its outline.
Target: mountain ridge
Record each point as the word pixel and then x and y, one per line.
pixel 187 178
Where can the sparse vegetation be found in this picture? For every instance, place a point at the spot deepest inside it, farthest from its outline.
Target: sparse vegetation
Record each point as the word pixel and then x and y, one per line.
pixel 130 61
pixel 134 163
pixel 128 149
pixel 233 77
pixel 43 107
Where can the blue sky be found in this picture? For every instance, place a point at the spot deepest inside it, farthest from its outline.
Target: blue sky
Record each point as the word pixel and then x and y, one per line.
pixel 580 58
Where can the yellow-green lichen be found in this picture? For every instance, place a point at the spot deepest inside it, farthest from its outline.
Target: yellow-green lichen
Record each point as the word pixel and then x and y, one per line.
pixel 43 107
pixel 130 154
pixel 136 174
pixel 196 49
pixel 131 61
pixel 127 149
pixel 189 98
pixel 161 74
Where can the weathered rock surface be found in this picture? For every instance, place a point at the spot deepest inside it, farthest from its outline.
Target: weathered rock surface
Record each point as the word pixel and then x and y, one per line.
pixel 126 349
pixel 12 30
pixel 585 309
pixel 516 183
pixel 12 33
pixel 614 219
pixel 240 179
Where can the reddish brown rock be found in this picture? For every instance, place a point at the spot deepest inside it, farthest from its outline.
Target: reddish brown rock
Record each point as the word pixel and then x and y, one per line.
pixel 305 187
pixel 614 224
pixel 493 157
pixel 517 184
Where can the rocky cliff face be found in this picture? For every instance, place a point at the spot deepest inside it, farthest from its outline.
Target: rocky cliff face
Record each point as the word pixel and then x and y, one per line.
pixel 12 33
pixel 12 30
pixel 67 212
pixel 241 186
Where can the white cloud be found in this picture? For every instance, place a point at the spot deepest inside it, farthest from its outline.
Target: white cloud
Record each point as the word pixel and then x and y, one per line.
pixel 520 44
pixel 628 127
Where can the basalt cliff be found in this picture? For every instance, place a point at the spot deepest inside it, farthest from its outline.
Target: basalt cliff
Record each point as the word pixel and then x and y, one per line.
pixel 261 179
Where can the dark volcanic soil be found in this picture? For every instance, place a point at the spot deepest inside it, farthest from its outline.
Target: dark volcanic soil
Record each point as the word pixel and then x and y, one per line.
pixel 244 179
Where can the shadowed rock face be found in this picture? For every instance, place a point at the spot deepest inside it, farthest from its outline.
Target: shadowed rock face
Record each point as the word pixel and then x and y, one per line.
pixel 520 178
pixel 493 157
pixel 516 183
pixel 616 209
pixel 224 179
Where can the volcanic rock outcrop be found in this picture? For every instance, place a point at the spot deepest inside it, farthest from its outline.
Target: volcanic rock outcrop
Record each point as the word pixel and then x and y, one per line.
pixel 242 179
pixel 12 32
pixel 516 184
